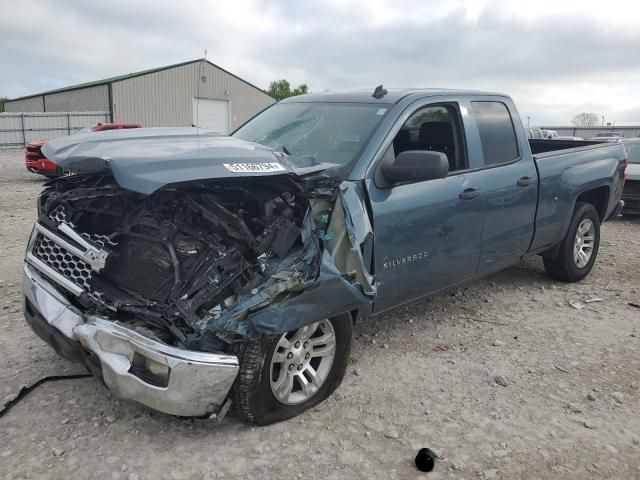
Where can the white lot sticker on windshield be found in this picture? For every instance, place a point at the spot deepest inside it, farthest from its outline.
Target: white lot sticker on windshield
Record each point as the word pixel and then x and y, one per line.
pixel 254 167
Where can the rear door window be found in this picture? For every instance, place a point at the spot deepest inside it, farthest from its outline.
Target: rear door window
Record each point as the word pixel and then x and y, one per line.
pixel 497 134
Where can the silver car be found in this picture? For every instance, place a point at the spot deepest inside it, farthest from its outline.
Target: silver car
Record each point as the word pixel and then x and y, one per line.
pixel 609 137
pixel 631 192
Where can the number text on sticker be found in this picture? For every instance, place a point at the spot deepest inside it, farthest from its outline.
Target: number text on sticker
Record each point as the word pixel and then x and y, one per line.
pixel 254 167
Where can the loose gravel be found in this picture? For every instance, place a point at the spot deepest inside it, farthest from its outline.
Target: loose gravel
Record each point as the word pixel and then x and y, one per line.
pixel 502 379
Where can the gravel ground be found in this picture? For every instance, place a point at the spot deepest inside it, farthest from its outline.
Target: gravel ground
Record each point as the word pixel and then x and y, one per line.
pixel 424 376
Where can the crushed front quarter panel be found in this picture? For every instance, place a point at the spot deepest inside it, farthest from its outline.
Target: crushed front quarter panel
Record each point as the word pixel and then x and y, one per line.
pixel 330 295
pixel 206 264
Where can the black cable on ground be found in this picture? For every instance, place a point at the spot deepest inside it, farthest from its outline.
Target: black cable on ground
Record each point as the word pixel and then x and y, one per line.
pixel 24 391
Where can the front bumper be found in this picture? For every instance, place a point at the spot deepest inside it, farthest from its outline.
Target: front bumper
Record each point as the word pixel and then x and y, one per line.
pixel 133 367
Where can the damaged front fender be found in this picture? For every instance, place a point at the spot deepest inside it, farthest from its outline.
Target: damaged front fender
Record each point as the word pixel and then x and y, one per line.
pixel 345 282
pixel 332 294
pixel 211 262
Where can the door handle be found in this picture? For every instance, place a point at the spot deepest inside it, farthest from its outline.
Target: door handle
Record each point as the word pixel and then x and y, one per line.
pixel 469 194
pixel 525 182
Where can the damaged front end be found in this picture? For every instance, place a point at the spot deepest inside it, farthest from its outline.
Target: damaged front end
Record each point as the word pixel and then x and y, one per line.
pixel 157 286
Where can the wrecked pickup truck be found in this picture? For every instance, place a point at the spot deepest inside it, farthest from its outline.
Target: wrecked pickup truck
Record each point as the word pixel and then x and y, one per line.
pixel 190 271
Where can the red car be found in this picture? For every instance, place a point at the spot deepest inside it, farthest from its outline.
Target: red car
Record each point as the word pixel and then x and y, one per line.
pixel 36 162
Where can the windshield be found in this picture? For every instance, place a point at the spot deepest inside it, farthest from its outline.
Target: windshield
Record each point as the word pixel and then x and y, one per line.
pixel 607 134
pixel 314 133
pixel 633 152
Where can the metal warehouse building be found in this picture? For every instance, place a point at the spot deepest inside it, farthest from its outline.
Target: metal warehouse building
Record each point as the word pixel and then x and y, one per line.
pixel 196 92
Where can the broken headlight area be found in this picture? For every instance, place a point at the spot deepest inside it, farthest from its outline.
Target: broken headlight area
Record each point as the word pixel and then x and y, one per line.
pixel 187 265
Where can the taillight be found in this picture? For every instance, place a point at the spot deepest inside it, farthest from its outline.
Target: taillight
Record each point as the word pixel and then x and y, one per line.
pixel 624 170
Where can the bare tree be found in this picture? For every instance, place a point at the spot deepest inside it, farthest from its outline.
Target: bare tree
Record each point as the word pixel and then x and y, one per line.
pixel 585 119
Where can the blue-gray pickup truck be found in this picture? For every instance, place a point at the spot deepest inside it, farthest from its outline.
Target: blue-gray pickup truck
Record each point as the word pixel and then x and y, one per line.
pixel 191 271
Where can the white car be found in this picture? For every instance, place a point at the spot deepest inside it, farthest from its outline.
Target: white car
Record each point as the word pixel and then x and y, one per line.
pixel 609 137
pixel 534 132
pixel 631 191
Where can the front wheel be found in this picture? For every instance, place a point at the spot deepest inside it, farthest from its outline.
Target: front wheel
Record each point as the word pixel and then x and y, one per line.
pixel 281 376
pixel 579 248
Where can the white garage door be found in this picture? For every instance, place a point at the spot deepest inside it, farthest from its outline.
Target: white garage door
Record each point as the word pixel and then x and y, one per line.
pixel 213 114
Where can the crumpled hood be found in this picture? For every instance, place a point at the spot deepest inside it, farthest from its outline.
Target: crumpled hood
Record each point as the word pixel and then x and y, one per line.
pixel 147 159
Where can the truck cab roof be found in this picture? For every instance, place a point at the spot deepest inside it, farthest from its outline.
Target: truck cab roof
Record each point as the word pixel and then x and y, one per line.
pixel 393 95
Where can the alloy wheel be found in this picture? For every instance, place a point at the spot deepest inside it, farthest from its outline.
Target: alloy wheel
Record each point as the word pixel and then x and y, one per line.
pixel 301 362
pixel 584 243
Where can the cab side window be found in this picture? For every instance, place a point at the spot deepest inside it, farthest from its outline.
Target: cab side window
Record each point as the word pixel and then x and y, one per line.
pixel 436 128
pixel 497 134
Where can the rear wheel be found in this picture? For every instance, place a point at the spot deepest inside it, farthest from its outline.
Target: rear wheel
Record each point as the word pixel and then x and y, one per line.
pixel 579 248
pixel 281 376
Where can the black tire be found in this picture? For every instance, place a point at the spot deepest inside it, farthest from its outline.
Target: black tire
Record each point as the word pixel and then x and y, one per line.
pixel 252 395
pixel 563 266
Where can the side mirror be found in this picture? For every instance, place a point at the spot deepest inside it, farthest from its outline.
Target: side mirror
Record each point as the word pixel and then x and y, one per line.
pixel 416 166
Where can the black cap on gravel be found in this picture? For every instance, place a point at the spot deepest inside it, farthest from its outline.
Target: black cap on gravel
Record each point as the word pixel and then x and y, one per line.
pixel 425 460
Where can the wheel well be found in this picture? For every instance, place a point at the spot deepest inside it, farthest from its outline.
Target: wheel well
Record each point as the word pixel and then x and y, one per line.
pixel 598 197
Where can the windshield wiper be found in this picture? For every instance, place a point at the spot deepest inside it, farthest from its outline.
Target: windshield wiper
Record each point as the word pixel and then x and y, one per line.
pixel 284 149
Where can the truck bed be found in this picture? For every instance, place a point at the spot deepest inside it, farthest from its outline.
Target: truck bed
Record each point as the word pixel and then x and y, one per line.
pixel 565 169
pixel 544 148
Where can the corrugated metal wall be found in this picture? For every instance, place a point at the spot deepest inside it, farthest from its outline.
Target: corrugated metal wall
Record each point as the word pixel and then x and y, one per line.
pixel 90 99
pixel 165 98
pixel 32 104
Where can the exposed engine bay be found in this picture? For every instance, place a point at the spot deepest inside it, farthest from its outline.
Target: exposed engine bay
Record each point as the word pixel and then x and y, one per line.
pixel 189 265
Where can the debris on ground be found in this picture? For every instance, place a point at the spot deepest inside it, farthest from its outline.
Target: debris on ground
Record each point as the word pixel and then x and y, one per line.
pixel 593 299
pixel 490 473
pixel 573 408
pixel 25 390
pixel 576 304
pixel 500 380
pixel 562 367
pixel 425 460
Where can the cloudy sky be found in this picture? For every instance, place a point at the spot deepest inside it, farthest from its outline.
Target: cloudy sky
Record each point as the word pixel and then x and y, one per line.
pixel 556 58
